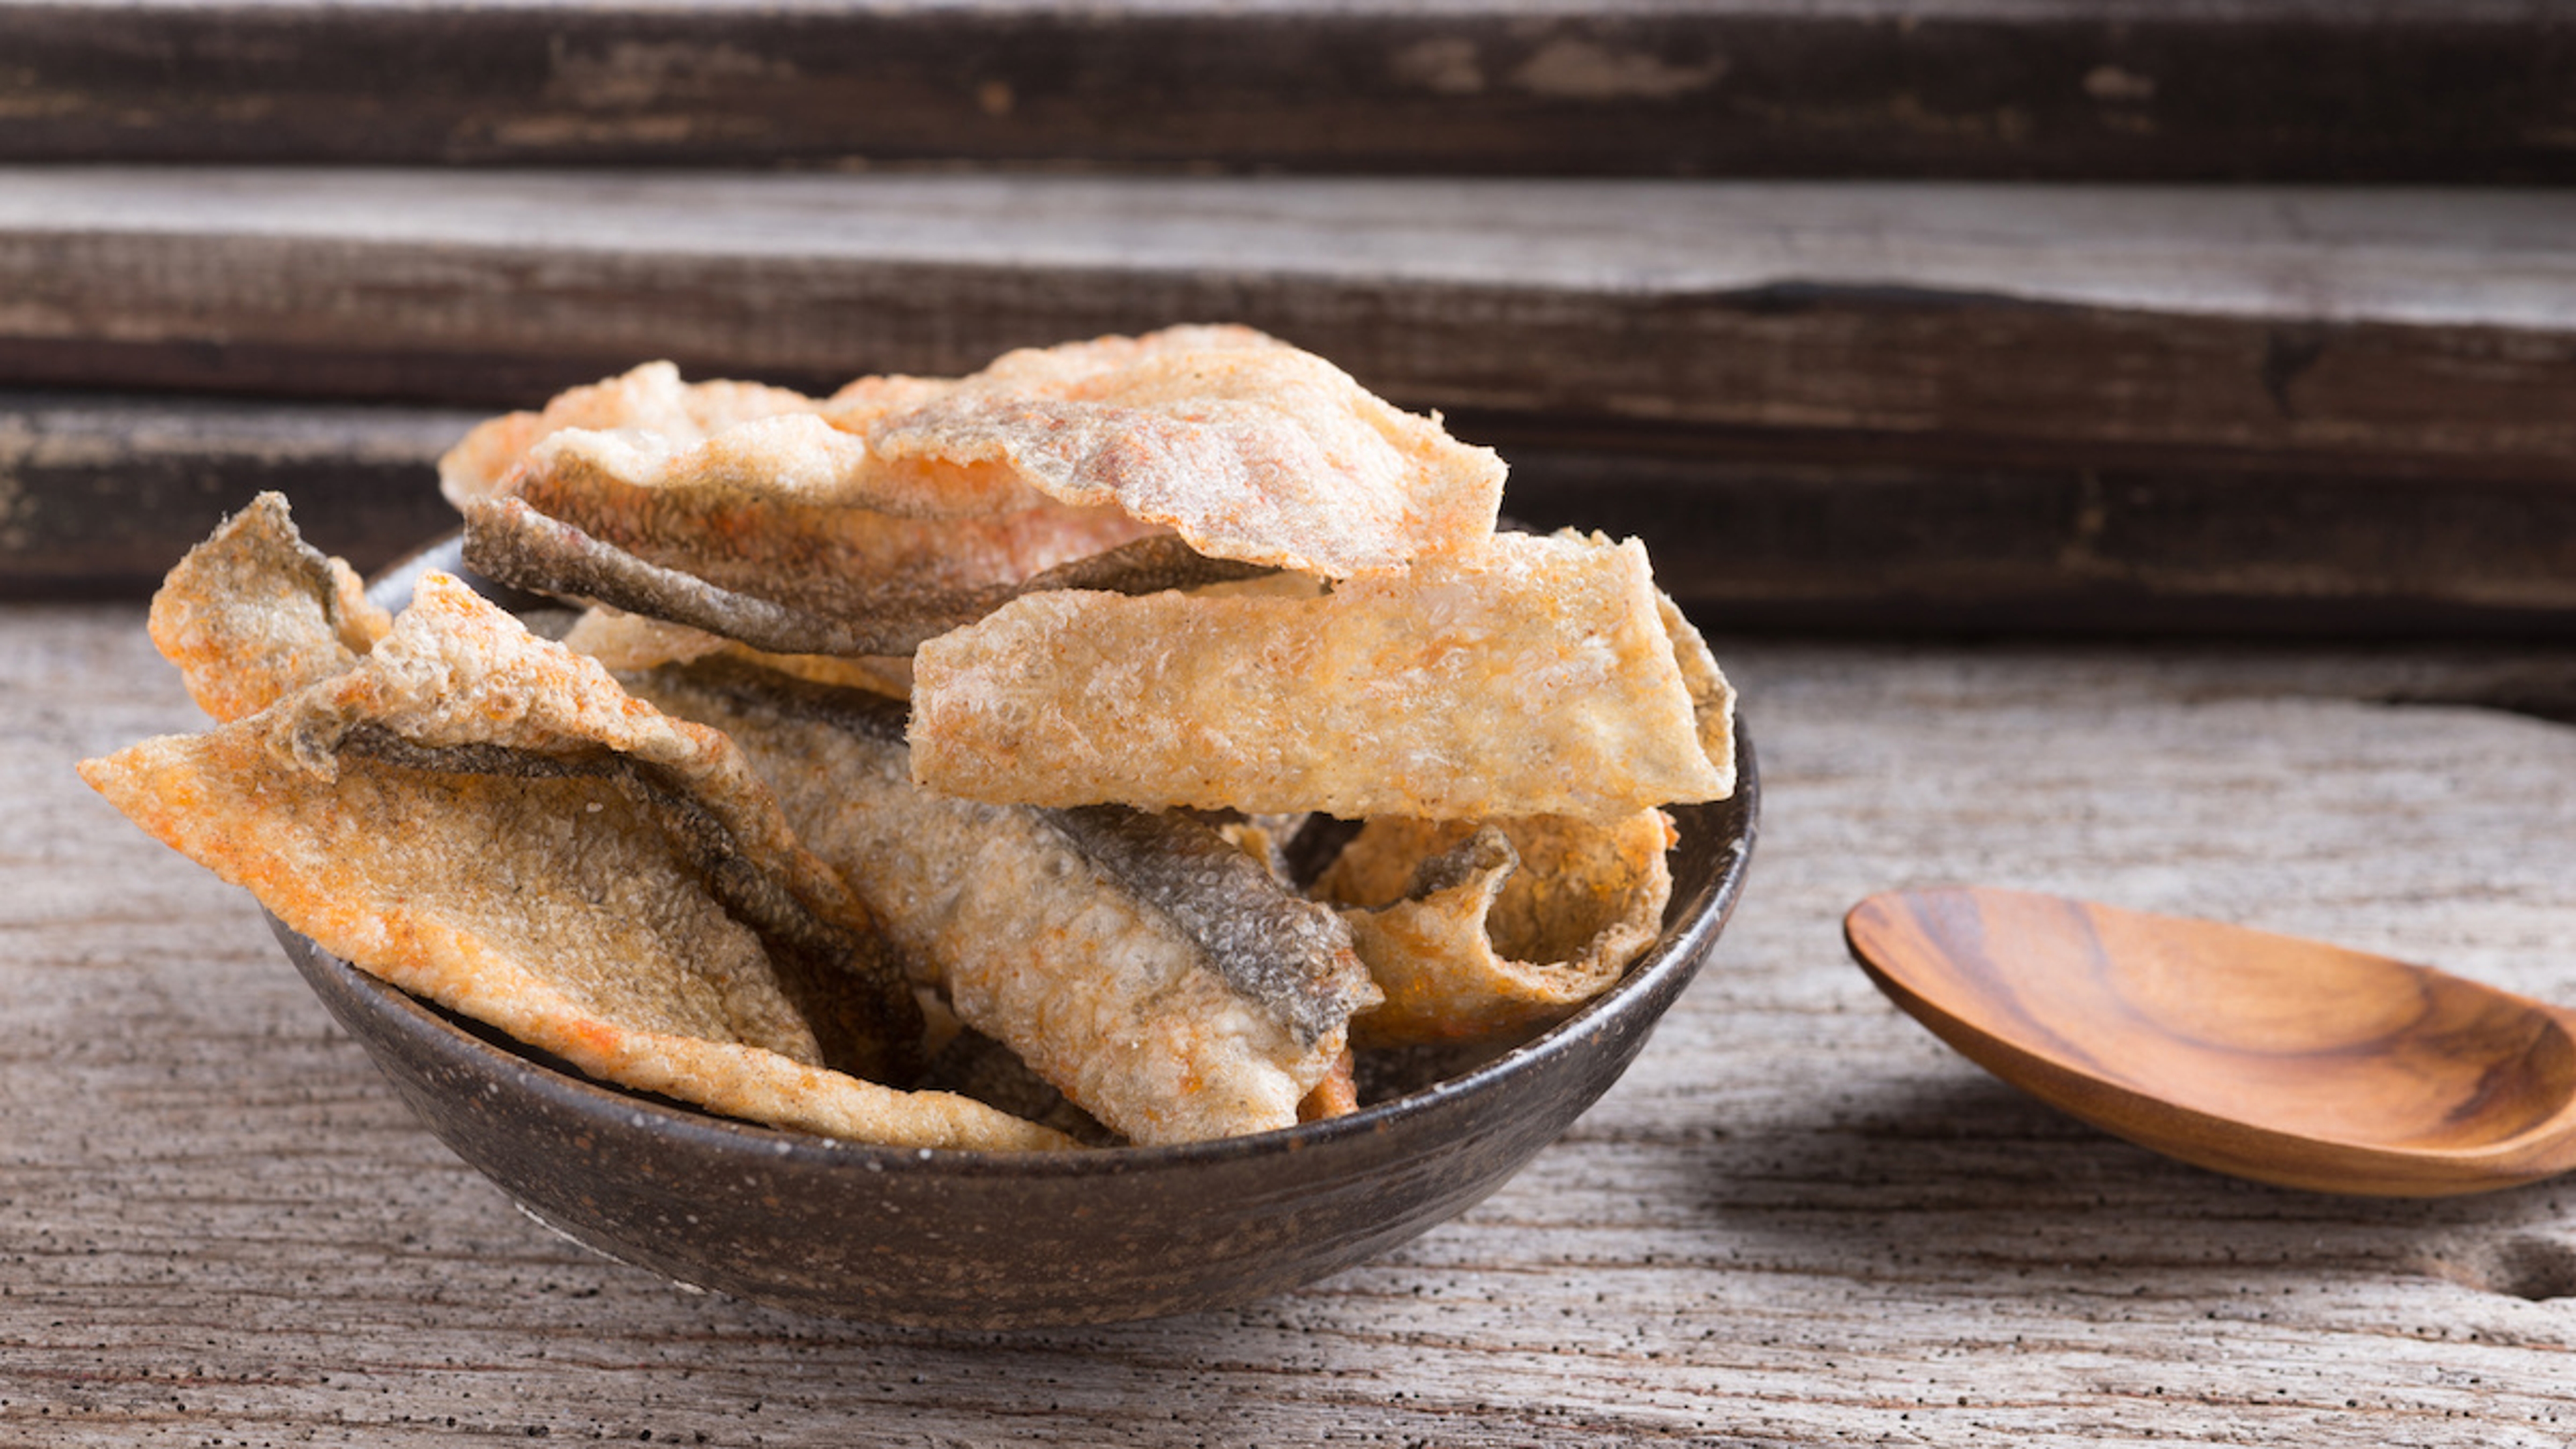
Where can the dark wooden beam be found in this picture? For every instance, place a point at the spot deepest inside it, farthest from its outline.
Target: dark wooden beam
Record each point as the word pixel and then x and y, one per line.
pixel 2418 90
pixel 1821 540
pixel 107 491
pixel 100 495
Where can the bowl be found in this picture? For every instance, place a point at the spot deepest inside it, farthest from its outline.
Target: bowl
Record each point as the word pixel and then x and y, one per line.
pixel 979 1240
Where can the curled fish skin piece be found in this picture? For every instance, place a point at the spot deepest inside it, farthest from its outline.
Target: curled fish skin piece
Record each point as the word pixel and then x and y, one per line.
pixel 1149 970
pixel 1478 929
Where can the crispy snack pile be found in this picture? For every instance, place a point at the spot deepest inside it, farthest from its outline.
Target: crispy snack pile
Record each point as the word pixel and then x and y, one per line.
pixel 1163 608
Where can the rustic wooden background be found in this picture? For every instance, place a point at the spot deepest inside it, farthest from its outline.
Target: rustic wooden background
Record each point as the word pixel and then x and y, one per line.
pixel 2242 316
pixel 1823 404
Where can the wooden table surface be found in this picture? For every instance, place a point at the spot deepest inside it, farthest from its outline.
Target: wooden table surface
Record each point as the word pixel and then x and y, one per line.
pixel 1799 1220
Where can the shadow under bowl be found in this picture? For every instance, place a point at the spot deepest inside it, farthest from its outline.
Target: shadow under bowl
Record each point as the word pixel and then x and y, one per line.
pixel 980 1240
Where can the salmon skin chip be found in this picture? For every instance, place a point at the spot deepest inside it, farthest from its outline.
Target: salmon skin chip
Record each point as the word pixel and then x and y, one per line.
pixel 1541 676
pixel 918 496
pixel 650 398
pixel 742 513
pixel 576 870
pixel 254 613
pixel 1152 972
pixel 1247 447
pixel 459 687
pixel 735 507
pixel 626 643
pixel 1477 929
pixel 864 611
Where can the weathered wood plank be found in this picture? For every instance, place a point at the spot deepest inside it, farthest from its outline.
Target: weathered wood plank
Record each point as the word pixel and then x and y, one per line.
pixel 1799 1220
pixel 103 492
pixel 2394 333
pixel 1757 535
pixel 101 495
pixel 2421 90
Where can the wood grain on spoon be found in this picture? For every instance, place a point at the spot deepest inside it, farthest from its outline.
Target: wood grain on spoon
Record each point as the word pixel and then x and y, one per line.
pixel 2269 1057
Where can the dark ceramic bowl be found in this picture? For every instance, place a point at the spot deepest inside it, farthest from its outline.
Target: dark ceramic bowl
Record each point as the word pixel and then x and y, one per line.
pixel 995 1240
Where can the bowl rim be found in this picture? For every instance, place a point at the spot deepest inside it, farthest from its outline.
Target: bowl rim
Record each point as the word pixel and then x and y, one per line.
pixel 1663 972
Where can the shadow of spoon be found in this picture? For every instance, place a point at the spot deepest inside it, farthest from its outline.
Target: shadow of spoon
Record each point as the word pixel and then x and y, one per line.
pixel 2284 1060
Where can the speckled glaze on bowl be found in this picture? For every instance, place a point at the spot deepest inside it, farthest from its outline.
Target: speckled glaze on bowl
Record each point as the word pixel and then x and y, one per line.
pixel 994 1240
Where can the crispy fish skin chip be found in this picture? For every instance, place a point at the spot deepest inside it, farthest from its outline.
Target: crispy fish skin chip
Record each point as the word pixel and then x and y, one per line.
pixel 790 460
pixel 1534 678
pixel 628 643
pixel 1475 929
pixel 1712 698
pixel 1271 946
pixel 1247 447
pixel 255 613
pixel 650 397
pixel 459 686
pixel 1072 956
pixel 631 643
pixel 793 498
pixel 539 907
pixel 624 642
pixel 831 607
pixel 1337 1095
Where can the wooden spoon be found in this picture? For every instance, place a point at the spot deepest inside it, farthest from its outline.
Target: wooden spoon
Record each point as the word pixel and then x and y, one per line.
pixel 2284 1060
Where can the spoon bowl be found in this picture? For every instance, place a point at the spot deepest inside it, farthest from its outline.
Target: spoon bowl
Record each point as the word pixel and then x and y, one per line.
pixel 2270 1057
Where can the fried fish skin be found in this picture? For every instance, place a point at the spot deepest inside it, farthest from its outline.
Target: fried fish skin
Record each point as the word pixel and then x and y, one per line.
pixel 1247 447
pixel 629 643
pixel 541 908
pixel 483 818
pixel 1712 698
pixel 255 613
pixel 460 685
pixel 1476 929
pixel 1536 677
pixel 792 510
pixel 649 398
pixel 1044 939
pixel 829 605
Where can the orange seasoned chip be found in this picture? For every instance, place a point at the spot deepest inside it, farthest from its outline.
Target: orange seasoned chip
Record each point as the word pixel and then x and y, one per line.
pixel 793 509
pixel 546 910
pixel 830 602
